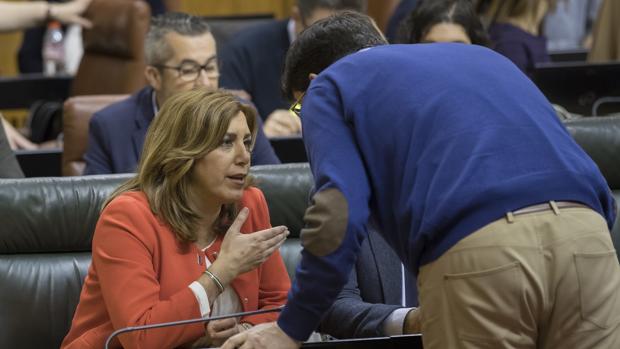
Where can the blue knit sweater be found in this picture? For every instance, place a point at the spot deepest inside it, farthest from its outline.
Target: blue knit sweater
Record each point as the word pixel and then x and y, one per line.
pixel 432 141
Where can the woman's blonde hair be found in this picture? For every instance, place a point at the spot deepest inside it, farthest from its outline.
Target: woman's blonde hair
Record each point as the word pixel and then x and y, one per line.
pixel 188 126
pixel 501 10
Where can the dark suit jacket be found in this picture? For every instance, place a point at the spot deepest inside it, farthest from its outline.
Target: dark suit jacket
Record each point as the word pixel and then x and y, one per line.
pixel 116 135
pixel 253 62
pixel 372 293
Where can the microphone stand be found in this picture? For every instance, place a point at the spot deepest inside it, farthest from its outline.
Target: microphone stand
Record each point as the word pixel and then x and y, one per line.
pixel 186 322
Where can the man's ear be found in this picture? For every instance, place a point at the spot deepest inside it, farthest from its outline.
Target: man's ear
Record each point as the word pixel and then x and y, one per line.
pixel 153 77
pixel 311 76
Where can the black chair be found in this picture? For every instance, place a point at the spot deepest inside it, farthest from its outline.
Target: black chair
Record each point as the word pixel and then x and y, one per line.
pixel 289 149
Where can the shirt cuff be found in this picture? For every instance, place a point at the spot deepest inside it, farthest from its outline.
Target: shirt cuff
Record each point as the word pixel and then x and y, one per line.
pixel 393 324
pixel 201 297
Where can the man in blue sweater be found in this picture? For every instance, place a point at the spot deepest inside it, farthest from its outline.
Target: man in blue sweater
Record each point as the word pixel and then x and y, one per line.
pixel 472 180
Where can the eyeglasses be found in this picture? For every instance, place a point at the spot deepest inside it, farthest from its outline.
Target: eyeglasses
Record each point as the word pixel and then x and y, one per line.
pixel 296 107
pixel 190 70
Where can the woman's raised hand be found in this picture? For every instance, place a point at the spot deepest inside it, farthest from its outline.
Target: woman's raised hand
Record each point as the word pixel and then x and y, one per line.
pixel 241 253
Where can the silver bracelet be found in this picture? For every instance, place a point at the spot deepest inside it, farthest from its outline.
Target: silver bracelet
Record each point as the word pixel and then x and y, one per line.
pixel 216 280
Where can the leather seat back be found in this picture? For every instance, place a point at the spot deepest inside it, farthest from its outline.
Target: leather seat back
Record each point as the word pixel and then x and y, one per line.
pixel 113 60
pixel 77 113
pixel 600 138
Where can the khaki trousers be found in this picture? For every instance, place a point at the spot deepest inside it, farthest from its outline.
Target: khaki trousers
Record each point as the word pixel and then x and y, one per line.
pixel 548 279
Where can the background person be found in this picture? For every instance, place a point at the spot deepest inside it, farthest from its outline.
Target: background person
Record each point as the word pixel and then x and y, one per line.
pixel 254 59
pixel 443 21
pixel 180 55
pixel 168 246
pixel 378 300
pixel 515 30
pixel 569 25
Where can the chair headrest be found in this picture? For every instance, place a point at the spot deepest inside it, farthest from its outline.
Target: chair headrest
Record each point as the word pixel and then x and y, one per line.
pixel 59 214
pixel 119 28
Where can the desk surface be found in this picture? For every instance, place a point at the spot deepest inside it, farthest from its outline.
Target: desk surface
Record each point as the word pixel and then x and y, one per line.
pixel 40 162
pixel 23 90
pixel 396 342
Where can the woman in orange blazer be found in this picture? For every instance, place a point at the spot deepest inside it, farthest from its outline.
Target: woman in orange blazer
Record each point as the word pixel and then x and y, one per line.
pixel 187 237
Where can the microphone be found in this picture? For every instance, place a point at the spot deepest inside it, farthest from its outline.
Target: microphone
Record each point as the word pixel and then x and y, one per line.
pixel 186 322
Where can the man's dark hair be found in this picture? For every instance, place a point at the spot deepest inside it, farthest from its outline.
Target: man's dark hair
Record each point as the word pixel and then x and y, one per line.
pixel 431 12
pixel 325 42
pixel 306 7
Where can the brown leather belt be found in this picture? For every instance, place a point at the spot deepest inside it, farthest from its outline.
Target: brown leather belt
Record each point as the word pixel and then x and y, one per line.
pixel 547 206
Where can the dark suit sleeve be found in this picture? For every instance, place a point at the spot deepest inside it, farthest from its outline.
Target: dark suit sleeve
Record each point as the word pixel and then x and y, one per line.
pixel 97 158
pixel 235 72
pixel 263 153
pixel 351 316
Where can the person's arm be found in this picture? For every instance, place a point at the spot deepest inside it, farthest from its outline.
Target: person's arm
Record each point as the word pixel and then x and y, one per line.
pixel 274 282
pixel 351 317
pixel 335 221
pixel 22 15
pixel 16 140
pixel 97 156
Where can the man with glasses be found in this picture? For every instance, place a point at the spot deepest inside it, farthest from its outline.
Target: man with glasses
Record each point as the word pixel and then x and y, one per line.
pixel 180 55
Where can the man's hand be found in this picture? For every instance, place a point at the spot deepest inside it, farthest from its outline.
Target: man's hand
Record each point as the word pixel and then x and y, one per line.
pixel 412 322
pixel 263 336
pixel 282 123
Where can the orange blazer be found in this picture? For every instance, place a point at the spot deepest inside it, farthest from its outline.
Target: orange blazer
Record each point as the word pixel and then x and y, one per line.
pixel 140 275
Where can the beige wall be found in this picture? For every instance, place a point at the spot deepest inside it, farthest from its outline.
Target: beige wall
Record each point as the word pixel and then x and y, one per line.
pixel 9 44
pixel 279 8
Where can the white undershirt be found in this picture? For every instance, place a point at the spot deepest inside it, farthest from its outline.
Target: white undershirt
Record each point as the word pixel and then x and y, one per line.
pixel 393 324
pixel 226 302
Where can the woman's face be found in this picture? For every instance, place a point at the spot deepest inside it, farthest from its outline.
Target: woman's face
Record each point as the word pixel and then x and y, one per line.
pixel 446 32
pixel 220 175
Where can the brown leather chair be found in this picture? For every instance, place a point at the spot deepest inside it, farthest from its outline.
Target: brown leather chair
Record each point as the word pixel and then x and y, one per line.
pixel 76 117
pixel 113 60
